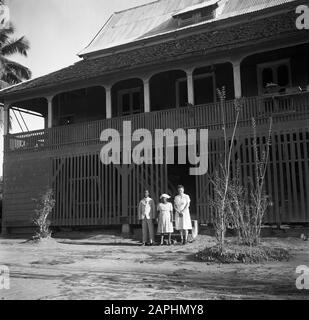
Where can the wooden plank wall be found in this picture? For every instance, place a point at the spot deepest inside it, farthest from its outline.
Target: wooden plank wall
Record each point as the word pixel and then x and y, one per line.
pixel 86 192
pixel 89 193
pixel 26 179
pixel 287 180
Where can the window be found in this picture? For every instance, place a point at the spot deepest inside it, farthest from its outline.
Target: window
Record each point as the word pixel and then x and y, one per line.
pixel 197 13
pixel 130 101
pixel 181 93
pixel 204 90
pixel 274 77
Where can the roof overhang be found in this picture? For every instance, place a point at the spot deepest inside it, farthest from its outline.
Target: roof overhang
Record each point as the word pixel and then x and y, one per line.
pixel 211 26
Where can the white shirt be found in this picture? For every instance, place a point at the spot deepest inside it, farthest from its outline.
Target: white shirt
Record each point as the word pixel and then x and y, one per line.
pixel 145 208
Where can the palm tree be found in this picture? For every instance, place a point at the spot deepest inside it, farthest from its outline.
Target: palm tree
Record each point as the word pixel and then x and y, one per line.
pixel 12 72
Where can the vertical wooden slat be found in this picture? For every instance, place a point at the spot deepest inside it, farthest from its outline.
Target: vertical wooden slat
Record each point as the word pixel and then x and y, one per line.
pixel 88 198
pixel 68 218
pixel 306 164
pixel 272 173
pixel 293 172
pixel 281 175
pixel 84 189
pixel 300 176
pixel 71 186
pixel 287 170
pixel 78 189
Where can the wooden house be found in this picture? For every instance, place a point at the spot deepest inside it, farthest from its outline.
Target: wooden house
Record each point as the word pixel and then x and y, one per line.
pixel 159 65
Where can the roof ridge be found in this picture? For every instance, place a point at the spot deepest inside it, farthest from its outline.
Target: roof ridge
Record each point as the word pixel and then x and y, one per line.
pixel 139 6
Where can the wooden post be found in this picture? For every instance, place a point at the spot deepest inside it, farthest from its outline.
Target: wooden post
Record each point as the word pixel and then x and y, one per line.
pixel 237 78
pixel 6 131
pixel 6 119
pixel 146 96
pixel 190 85
pixel 50 111
pixel 108 92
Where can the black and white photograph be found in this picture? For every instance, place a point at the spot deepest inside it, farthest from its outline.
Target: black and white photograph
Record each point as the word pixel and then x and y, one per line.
pixel 154 150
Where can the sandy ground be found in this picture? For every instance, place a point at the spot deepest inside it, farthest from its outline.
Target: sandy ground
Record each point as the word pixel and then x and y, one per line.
pixel 94 266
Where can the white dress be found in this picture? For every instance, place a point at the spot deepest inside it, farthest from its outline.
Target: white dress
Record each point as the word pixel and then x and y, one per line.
pixel 184 222
pixel 165 224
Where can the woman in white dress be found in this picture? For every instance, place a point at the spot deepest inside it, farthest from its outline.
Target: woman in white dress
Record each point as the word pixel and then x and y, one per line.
pixel 165 220
pixel 182 218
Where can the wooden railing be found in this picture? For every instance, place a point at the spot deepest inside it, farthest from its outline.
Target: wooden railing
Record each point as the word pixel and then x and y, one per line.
pixel 283 107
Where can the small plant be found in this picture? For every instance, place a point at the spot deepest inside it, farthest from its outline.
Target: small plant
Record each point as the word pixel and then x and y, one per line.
pixel 46 205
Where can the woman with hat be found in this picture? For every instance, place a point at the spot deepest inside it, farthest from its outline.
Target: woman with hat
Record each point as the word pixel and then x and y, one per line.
pixel 165 223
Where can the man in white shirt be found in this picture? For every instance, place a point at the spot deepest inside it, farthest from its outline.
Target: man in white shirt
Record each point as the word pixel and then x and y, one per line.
pixel 146 214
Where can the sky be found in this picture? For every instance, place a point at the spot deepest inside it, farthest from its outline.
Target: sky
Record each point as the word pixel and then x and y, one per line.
pixel 57 30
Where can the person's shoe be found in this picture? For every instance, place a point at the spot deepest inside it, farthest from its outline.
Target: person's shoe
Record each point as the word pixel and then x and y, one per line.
pixel 150 244
pixel 143 244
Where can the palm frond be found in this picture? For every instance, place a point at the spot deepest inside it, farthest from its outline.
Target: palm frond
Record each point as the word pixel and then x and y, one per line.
pixel 5 34
pixel 14 46
pixel 10 78
pixel 21 71
pixel 14 72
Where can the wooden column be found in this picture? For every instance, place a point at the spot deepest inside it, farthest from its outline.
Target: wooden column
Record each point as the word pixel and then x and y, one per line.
pixel 6 119
pixel 146 96
pixel 6 129
pixel 50 111
pixel 190 84
pixel 237 78
pixel 108 92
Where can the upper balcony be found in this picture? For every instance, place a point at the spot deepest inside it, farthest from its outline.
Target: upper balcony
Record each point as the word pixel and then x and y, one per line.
pixel 181 95
pixel 284 107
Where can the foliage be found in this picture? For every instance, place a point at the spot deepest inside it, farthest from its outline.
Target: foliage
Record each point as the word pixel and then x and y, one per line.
pixel 46 205
pixel 12 72
pixel 234 253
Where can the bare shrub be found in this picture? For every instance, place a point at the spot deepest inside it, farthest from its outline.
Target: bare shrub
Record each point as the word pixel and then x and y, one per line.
pixel 221 179
pixel 46 205
pixel 259 199
pixel 248 206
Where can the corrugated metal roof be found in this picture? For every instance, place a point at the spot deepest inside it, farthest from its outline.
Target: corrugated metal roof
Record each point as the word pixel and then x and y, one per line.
pixel 157 18
pixel 207 42
pixel 132 24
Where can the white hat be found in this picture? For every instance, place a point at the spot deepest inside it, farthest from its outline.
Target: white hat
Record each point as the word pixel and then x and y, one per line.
pixel 164 195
